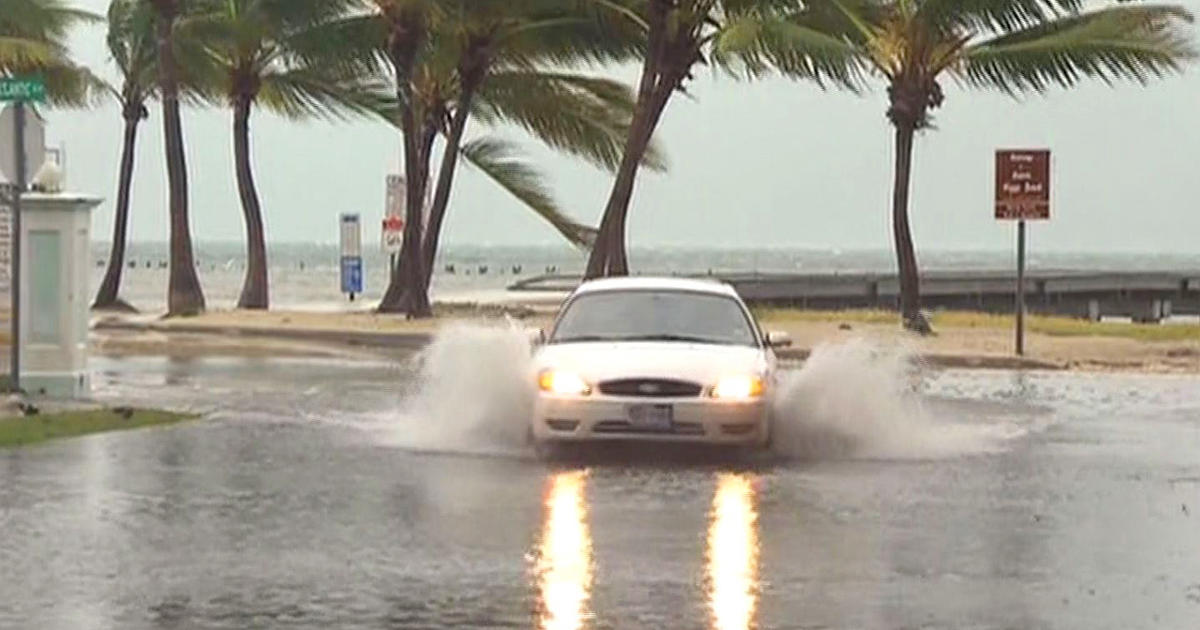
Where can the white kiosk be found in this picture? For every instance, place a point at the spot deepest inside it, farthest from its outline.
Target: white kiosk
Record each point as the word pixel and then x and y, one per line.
pixel 55 240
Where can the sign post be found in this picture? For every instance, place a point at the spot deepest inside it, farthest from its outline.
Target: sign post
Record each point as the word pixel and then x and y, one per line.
pixel 18 91
pixel 392 234
pixel 352 262
pixel 1022 193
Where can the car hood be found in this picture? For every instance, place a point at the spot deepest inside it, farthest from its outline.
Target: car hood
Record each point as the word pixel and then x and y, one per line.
pixel 701 363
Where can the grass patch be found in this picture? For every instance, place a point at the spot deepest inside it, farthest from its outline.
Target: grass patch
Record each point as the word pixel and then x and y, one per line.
pixel 858 316
pixel 25 430
pixel 1064 327
pixel 1041 324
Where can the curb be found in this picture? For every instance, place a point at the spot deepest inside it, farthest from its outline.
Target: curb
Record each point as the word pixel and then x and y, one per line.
pixel 417 341
pixel 400 340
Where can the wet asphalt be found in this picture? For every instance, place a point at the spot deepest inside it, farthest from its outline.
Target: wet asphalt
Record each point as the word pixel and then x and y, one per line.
pixel 294 504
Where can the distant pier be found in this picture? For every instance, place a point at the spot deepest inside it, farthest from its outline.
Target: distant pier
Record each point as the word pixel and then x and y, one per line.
pixel 1140 296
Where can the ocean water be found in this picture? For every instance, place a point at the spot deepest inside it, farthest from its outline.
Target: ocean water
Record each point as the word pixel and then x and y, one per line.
pixel 305 276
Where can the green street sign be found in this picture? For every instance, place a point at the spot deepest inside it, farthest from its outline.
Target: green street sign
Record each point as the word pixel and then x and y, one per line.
pixel 22 89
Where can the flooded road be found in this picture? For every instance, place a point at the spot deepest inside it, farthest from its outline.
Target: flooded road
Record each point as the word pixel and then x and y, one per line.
pixel 317 494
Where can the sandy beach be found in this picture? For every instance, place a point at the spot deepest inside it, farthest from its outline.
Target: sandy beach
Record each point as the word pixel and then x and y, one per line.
pixel 288 333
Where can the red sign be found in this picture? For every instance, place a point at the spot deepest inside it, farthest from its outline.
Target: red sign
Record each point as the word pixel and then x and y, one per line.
pixel 393 224
pixel 393 233
pixel 1023 184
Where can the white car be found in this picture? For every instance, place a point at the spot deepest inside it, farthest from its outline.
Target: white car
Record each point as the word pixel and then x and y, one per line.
pixel 654 359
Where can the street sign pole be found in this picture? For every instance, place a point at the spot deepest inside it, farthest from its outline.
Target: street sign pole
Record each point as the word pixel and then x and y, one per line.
pixel 15 282
pixel 1022 194
pixel 1021 287
pixel 18 91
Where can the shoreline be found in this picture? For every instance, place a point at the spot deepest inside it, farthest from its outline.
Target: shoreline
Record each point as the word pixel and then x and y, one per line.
pixel 347 334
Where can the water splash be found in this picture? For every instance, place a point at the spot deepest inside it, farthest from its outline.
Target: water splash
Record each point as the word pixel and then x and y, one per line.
pixel 859 400
pixel 473 393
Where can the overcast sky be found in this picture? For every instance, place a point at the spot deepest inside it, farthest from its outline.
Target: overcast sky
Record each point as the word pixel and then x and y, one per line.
pixel 771 164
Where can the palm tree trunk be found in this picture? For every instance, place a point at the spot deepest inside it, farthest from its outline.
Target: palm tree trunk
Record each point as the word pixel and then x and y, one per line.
pixel 406 292
pixel 910 296
pixel 255 290
pixel 108 297
pixel 184 296
pixel 609 255
pixel 408 31
pixel 441 196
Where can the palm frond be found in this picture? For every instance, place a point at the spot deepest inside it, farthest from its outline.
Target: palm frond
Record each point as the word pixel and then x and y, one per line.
pixel 500 161
pixel 302 92
pixel 1133 42
pixel 992 15
pixel 580 115
pixel 567 33
pixel 354 41
pixel 850 20
pixel 70 85
pixel 758 44
pixel 132 44
pixel 17 52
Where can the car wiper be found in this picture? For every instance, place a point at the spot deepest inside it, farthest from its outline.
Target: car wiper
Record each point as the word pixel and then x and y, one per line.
pixel 684 338
pixel 586 338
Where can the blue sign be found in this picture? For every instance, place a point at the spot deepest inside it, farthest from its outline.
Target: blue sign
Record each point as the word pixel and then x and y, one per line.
pixel 352 274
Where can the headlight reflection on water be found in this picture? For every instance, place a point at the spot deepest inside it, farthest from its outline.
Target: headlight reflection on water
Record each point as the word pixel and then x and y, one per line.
pixel 564 560
pixel 564 565
pixel 733 554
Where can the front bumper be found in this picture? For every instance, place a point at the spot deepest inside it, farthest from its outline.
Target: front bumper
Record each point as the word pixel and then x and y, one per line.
pixel 606 418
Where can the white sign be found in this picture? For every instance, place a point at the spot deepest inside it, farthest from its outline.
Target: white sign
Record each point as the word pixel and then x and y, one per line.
pixel 394 206
pixel 35 144
pixel 351 236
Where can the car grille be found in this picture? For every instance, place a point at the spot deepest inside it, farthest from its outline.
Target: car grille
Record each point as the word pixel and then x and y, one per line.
pixel 623 426
pixel 650 388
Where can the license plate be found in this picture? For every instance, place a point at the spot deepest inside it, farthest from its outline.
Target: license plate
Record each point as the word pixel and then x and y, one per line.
pixel 650 417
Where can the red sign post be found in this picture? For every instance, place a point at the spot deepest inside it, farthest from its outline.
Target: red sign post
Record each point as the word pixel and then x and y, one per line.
pixel 1022 193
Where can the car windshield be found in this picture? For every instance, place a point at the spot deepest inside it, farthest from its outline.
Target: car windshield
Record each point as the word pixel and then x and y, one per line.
pixel 641 315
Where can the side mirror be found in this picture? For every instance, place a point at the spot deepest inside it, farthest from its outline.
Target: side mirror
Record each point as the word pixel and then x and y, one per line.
pixel 777 339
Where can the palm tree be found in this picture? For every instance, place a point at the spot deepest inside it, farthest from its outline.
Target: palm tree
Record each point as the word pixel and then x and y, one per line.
pixel 679 34
pixel 33 40
pixel 496 58
pixel 1015 46
pixel 184 295
pixel 505 71
pixel 488 61
pixel 131 42
pixel 276 55
pixel 404 27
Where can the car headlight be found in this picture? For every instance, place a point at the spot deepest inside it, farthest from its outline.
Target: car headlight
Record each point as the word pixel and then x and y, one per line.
pixel 563 383
pixel 740 387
